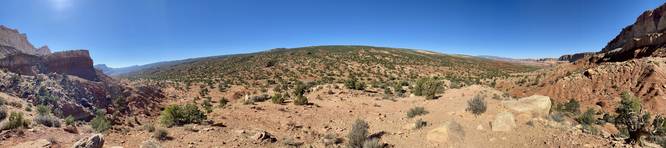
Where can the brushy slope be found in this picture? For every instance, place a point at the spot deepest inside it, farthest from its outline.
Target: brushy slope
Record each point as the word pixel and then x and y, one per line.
pixel 326 64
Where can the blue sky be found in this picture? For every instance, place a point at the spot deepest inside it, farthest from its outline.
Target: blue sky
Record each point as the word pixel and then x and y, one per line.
pixel 130 32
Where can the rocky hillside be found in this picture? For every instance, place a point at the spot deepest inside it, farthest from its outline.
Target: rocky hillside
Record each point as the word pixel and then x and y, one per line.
pixel 332 64
pixel 66 81
pixel 632 62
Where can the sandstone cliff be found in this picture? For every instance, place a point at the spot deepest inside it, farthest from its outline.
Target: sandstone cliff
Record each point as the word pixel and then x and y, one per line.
pixel 12 42
pixel 18 55
pixel 644 38
pixel 575 57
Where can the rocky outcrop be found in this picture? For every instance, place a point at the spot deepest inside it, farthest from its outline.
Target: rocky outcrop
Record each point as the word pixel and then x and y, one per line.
pixel 94 141
pixel 449 132
pixel 575 57
pixel 76 63
pixel 18 55
pixel 13 42
pixel 503 122
pixel 644 38
pixel 535 106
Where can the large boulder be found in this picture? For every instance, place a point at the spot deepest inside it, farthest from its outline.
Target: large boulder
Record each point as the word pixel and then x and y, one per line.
pixel 535 106
pixel 503 122
pixel 450 131
pixel 94 141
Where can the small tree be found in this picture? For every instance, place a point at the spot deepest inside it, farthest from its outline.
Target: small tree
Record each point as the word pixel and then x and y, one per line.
pixel 632 118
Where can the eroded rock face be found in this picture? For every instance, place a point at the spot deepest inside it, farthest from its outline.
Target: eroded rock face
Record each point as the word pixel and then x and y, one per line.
pixel 575 57
pixel 13 42
pixel 644 38
pixel 75 62
pixel 18 55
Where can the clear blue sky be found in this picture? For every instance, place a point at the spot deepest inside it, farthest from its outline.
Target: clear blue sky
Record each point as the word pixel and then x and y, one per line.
pixel 130 32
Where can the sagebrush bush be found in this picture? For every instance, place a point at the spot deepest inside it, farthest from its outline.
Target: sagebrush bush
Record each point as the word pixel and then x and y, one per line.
pixel 180 115
pixel 420 124
pixel 149 127
pixel 372 143
pixel 358 134
pixel 47 120
pixel 416 111
pixel 15 121
pixel 476 105
pixel 301 100
pixel 161 134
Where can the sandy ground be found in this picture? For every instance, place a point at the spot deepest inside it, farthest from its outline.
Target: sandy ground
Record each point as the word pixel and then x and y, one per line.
pixel 334 114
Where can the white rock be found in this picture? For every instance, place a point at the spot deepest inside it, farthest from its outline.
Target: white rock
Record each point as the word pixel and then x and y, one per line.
pixel 503 122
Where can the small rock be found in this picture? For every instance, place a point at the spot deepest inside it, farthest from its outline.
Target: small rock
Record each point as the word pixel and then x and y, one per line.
pixel 480 127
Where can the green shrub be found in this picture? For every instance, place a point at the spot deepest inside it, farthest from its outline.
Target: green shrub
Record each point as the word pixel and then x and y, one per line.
pixel 43 110
pixel 301 100
pixel 428 87
pixel 587 118
pixel 416 111
pixel 355 84
pixel 477 105
pixel 180 115
pixel 358 134
pixel 161 134
pixel 100 123
pixel 277 98
pixel 15 121
pixel 223 102
pixel 69 120
pixel 572 106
